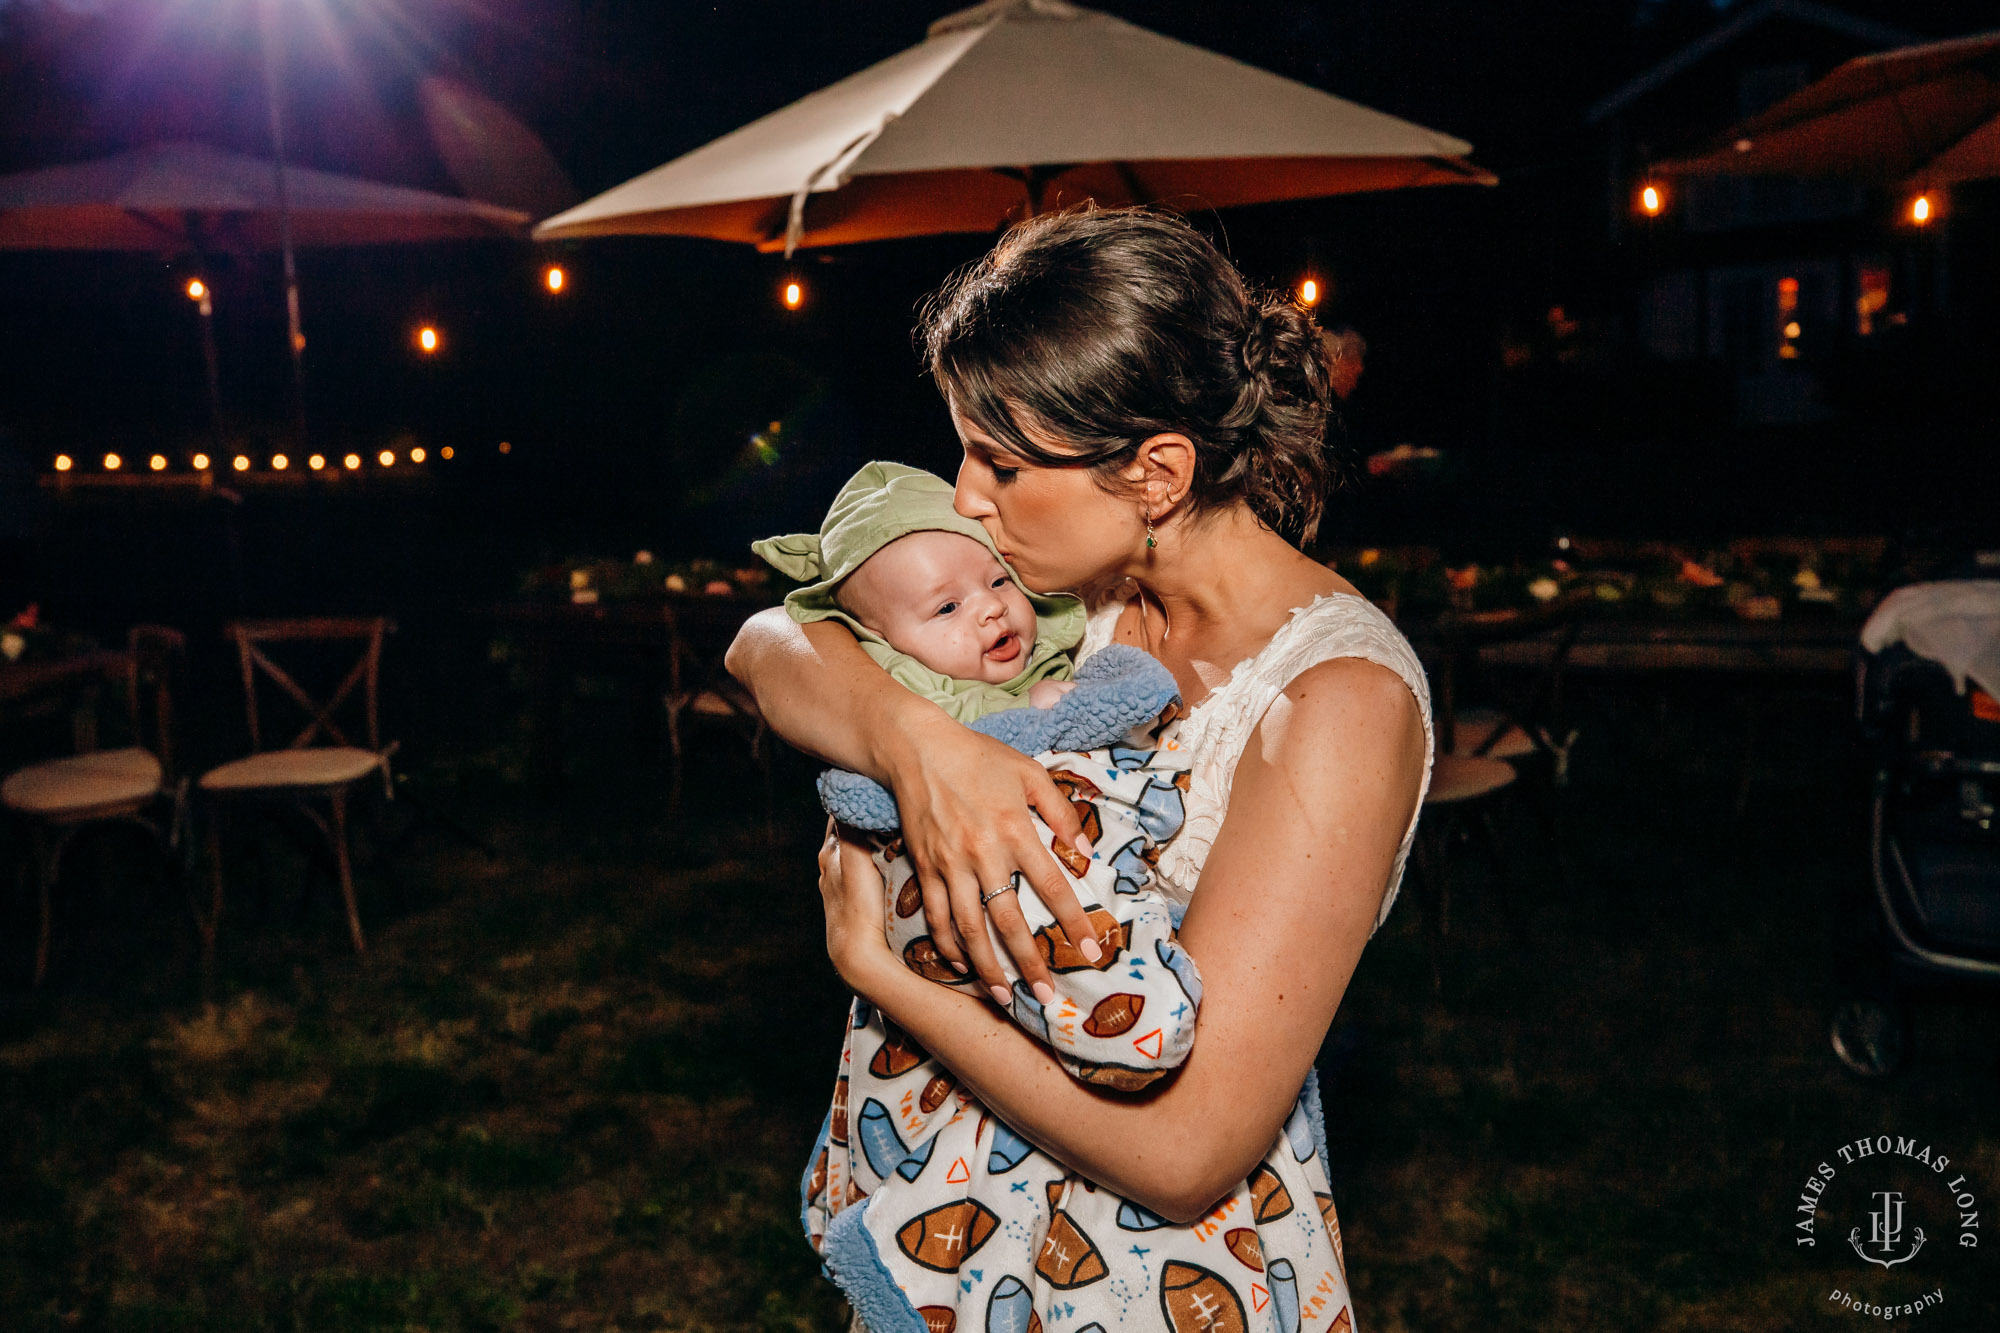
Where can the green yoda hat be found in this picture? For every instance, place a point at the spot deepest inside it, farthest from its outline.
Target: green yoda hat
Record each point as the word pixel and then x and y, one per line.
pixel 884 501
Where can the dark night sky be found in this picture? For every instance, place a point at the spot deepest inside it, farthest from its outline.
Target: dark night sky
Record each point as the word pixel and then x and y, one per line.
pixel 662 333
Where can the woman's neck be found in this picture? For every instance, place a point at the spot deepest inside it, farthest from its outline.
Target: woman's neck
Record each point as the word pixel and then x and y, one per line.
pixel 1222 579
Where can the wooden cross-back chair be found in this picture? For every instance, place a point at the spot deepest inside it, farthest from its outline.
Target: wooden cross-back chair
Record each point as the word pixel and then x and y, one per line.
pixel 59 798
pixel 320 765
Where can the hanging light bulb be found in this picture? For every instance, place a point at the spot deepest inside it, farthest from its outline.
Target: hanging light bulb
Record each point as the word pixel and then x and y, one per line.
pixel 1309 292
pixel 795 294
pixel 427 340
pixel 1652 200
pixel 196 289
pixel 554 278
pixel 1920 209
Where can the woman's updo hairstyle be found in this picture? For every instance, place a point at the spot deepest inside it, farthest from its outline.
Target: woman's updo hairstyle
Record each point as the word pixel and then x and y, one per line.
pixel 1100 328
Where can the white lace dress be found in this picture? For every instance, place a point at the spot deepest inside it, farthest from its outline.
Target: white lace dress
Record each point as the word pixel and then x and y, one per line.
pixel 1331 626
pixel 1080 1259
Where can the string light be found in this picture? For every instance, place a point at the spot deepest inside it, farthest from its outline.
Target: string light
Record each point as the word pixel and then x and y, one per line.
pixel 351 462
pixel 387 458
pixel 317 462
pixel 417 455
pixel 1652 199
pixel 1309 292
pixel 506 448
pixel 554 278
pixel 64 462
pixel 795 295
pixel 112 462
pixel 1920 209
pixel 427 339
pixel 446 452
pixel 158 462
pixel 241 463
pixel 196 289
pixel 279 462
pixel 200 462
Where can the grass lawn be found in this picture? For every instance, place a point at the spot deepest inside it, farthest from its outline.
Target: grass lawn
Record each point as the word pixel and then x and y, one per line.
pixel 573 1086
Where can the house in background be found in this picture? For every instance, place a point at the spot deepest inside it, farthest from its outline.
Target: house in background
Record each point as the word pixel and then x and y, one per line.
pixel 1770 283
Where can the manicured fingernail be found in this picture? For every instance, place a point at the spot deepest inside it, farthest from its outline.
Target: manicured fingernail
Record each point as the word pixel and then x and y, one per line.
pixel 956 966
pixel 1000 996
pixel 1083 844
pixel 1045 992
pixel 1088 948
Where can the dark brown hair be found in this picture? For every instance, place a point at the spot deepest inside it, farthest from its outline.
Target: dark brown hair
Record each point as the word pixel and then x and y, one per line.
pixel 1100 328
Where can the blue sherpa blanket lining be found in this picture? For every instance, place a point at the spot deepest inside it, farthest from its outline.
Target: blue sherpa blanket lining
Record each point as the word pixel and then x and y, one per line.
pixel 1118 687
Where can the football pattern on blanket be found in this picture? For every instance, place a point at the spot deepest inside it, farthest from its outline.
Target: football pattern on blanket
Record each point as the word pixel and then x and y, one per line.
pixel 934 1215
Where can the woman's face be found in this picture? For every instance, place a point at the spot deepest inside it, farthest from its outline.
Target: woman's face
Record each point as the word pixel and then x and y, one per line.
pixel 1056 526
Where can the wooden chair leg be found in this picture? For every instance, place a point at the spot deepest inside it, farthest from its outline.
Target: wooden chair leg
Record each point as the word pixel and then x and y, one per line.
pixel 338 836
pixel 209 922
pixel 48 864
pixel 1505 884
pixel 1427 851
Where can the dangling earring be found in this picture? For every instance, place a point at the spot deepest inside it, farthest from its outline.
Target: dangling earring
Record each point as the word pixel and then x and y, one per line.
pixel 1150 543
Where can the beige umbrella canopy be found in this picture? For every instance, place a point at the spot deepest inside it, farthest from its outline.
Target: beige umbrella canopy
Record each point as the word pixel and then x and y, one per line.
pixel 176 197
pixel 1009 108
pixel 1925 115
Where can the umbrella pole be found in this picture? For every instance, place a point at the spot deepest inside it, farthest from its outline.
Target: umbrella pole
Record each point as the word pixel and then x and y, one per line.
pixel 273 84
pixel 214 376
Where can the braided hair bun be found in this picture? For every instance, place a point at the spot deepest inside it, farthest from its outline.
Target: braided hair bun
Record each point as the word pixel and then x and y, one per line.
pixel 1100 328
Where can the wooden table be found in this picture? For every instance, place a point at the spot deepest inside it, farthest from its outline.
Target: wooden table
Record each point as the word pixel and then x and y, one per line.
pixel 71 680
pixel 1800 646
pixel 636 641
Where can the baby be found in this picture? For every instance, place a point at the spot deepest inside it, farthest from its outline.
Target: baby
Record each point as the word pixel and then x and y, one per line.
pixel 924 590
pixel 945 600
pixel 909 1178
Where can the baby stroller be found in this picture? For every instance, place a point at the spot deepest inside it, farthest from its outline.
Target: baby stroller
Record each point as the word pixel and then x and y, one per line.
pixel 1928 701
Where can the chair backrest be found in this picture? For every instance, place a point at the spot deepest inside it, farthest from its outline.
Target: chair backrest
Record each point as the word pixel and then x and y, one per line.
pixel 158 654
pixel 254 637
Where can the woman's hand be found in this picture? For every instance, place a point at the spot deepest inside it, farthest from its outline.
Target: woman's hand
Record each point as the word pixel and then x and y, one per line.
pixel 851 892
pixel 964 799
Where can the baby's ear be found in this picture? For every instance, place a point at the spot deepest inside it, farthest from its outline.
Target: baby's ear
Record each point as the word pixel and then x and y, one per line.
pixel 796 557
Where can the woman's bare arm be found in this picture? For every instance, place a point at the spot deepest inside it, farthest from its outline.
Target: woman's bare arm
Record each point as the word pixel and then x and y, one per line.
pixel 963 798
pixel 1288 897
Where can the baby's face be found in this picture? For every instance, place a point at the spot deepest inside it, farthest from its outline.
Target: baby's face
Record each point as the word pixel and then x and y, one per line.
pixel 942 598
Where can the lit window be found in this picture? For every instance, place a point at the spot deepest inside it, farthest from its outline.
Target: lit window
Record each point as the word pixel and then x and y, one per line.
pixel 1872 296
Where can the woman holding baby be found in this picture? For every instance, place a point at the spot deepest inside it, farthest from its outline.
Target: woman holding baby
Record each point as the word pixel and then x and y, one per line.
pixel 1141 429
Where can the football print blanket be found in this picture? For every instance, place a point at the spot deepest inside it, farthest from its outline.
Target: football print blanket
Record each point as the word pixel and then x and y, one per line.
pixel 934 1217
pixel 1126 1020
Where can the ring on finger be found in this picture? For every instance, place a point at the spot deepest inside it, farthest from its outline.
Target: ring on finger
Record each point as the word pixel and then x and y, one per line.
pixel 986 898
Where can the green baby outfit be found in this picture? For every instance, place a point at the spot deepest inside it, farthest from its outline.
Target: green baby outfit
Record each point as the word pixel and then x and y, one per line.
pixel 884 501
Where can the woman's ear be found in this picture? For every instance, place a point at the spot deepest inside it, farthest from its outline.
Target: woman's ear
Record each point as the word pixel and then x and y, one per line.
pixel 1162 472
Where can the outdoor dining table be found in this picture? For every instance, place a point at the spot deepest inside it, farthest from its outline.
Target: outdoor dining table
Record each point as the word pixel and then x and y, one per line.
pixel 1814 645
pixel 633 641
pixel 71 678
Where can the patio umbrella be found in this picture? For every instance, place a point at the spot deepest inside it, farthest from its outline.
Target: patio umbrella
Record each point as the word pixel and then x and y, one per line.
pixel 1009 108
pixel 185 197
pixel 1923 115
